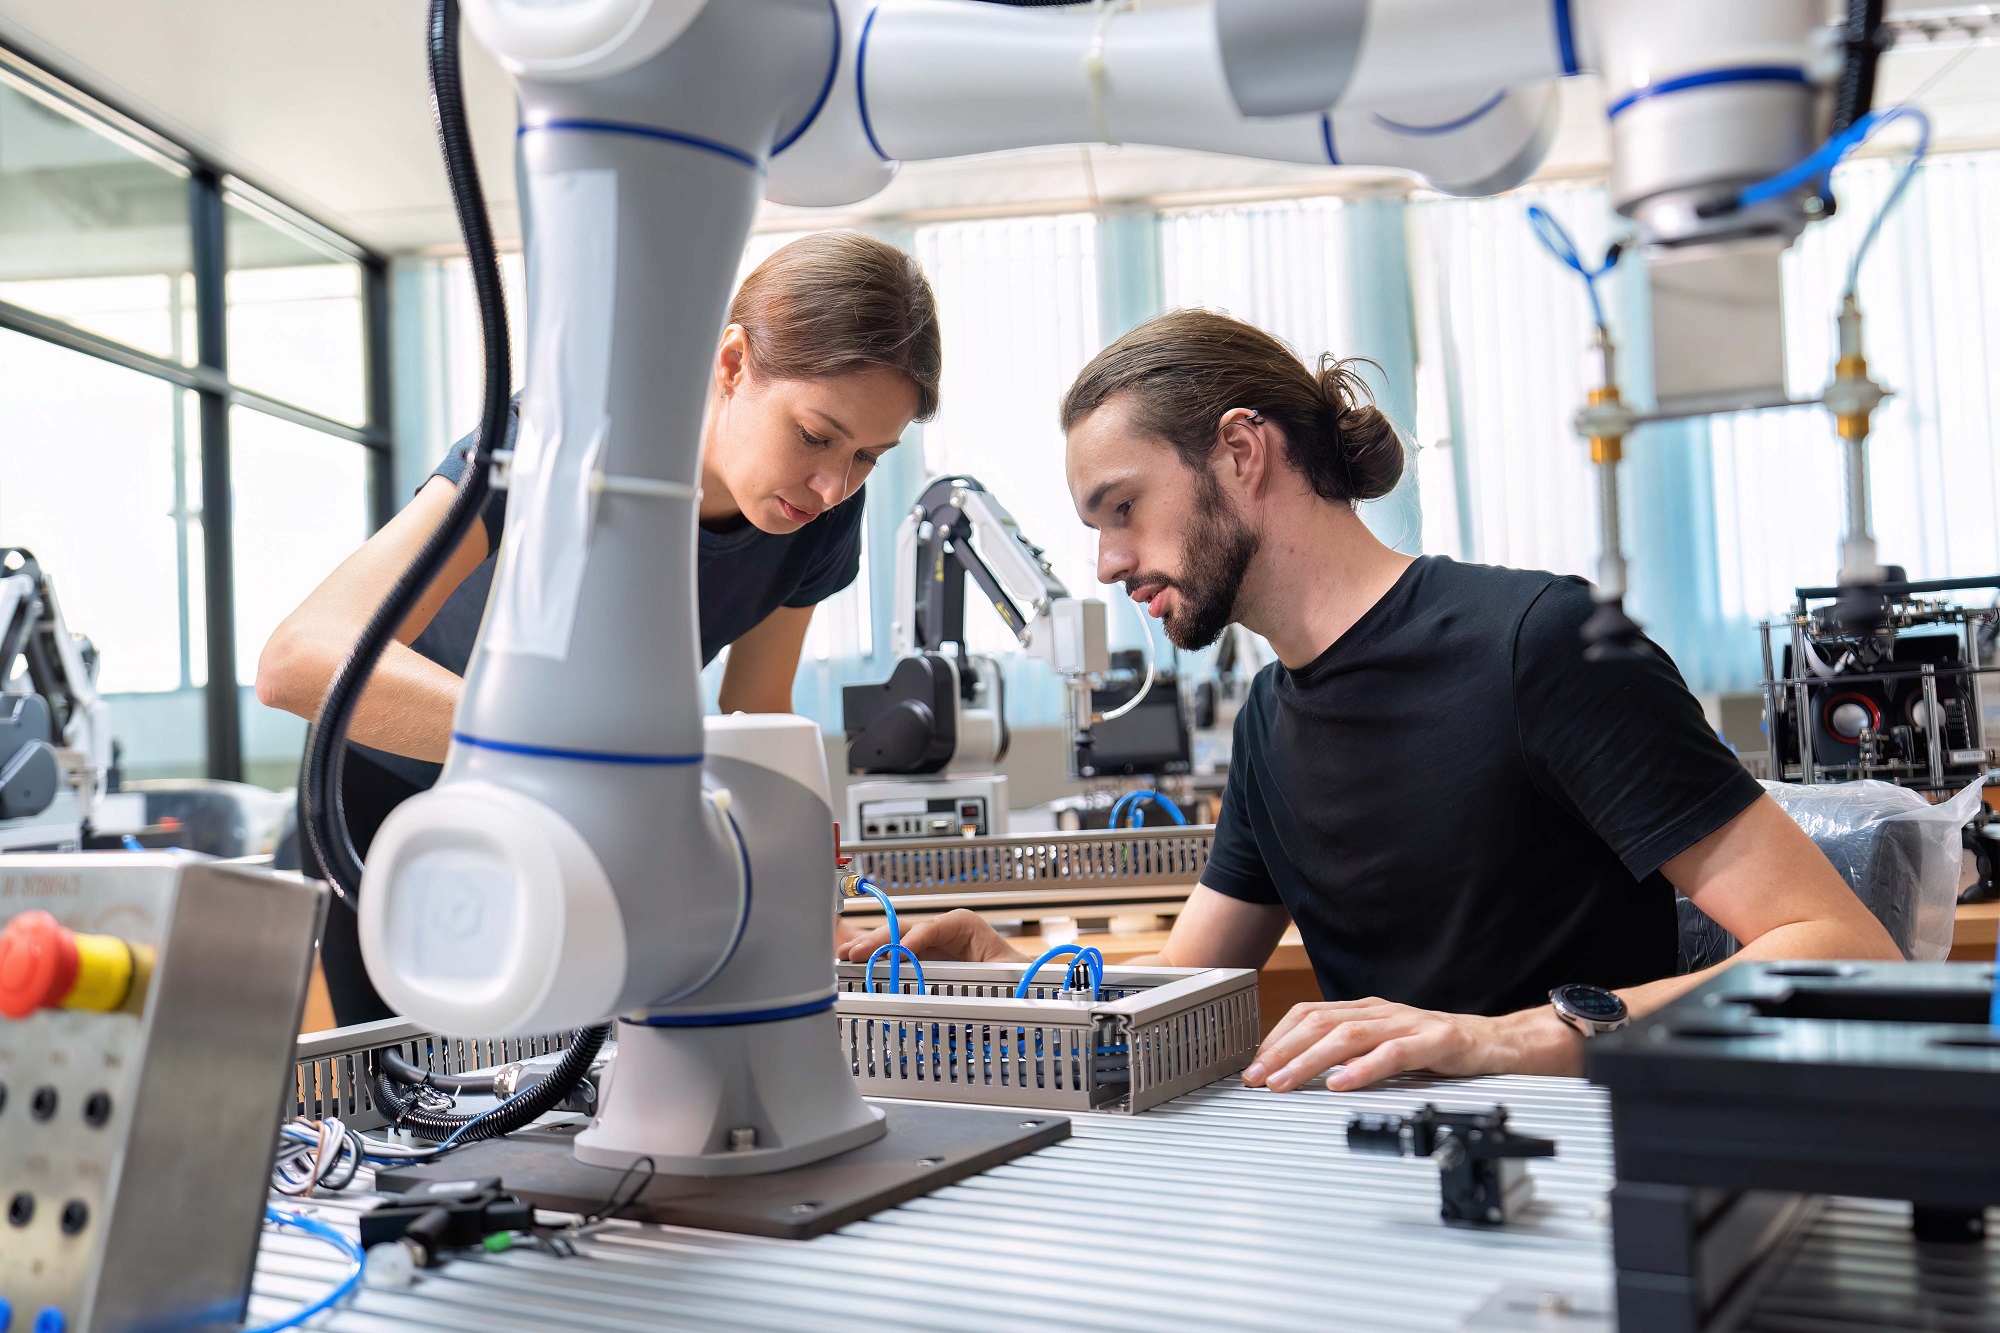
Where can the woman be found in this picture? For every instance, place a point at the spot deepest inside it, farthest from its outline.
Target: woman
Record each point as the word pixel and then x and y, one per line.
pixel 831 352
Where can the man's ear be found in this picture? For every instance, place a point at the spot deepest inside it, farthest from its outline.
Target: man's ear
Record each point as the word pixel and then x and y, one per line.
pixel 732 360
pixel 1243 456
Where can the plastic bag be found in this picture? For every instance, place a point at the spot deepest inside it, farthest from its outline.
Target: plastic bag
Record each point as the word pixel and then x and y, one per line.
pixel 1898 852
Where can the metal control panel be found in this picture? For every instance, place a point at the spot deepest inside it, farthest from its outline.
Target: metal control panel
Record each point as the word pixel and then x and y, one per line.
pixel 948 806
pixel 149 1004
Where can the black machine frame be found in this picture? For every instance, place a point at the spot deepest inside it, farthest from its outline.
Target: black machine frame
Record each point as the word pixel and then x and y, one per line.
pixel 1794 698
pixel 1736 1107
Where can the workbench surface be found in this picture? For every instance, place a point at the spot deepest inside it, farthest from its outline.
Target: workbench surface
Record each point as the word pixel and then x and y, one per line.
pixel 1228 1208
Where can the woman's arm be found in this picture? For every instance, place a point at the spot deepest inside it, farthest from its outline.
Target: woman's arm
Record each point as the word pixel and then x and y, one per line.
pixel 758 678
pixel 408 704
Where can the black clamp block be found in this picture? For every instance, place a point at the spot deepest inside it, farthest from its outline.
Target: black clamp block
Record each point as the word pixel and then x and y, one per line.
pixel 1480 1171
pixel 446 1215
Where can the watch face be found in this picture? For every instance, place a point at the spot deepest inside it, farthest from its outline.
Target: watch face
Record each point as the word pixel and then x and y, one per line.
pixel 1592 1002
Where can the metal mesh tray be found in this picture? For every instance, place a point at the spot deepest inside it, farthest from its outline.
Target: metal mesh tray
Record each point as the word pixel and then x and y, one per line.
pixel 1100 865
pixel 333 1065
pixel 1153 1034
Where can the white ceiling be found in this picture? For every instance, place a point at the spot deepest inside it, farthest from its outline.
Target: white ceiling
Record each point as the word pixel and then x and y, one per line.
pixel 326 106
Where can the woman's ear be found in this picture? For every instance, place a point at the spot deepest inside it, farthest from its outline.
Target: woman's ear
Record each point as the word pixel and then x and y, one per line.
pixel 732 360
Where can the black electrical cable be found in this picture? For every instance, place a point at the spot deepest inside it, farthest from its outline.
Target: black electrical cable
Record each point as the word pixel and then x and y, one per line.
pixel 326 815
pixel 1862 38
pixel 410 1076
pixel 326 823
pixel 1861 35
pixel 399 1103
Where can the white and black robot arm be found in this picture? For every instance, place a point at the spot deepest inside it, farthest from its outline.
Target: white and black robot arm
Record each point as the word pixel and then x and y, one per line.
pixel 32 630
pixel 959 529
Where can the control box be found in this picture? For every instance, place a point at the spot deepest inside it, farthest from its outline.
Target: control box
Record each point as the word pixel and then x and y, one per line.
pixel 149 1010
pixel 884 809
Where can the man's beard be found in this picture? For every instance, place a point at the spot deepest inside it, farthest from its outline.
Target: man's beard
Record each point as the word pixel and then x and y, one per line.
pixel 1214 560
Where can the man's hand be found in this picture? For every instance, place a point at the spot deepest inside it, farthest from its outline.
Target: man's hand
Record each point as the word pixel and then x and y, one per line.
pixel 1374 1039
pixel 959 936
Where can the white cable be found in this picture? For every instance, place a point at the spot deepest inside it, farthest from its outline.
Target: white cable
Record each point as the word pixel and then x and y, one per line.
pixel 720 800
pixel 646 488
pixel 1145 687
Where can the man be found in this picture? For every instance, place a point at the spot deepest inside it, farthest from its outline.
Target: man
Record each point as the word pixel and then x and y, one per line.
pixel 1460 813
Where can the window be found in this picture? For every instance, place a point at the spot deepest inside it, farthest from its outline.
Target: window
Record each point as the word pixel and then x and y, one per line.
pixel 1930 296
pixel 115 421
pixel 66 419
pixel 295 328
pixel 1512 329
pixel 1278 266
pixel 94 229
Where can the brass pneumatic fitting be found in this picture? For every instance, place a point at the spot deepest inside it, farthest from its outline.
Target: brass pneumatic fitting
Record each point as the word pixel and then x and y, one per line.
pixel 1607 448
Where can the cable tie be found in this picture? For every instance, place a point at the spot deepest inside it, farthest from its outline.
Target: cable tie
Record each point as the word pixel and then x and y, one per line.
pixel 1093 65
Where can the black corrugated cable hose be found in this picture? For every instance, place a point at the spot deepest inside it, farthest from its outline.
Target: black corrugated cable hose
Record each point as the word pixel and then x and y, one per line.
pixel 326 822
pixel 392 1063
pixel 399 1103
pixel 1862 37
pixel 326 816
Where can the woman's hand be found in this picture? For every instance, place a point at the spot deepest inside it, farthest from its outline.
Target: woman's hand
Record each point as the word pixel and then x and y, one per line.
pixel 959 936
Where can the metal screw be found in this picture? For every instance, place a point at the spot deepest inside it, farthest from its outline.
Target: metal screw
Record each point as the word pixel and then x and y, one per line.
pixel 1494 1215
pixel 743 1138
pixel 1554 1302
pixel 930 1161
pixel 810 1205
pixel 1029 1124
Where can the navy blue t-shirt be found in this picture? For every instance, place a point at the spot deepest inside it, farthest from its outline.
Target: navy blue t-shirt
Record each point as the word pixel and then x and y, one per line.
pixel 1458 811
pixel 745 575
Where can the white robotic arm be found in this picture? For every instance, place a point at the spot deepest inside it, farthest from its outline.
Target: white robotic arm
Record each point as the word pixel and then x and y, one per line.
pixel 593 846
pixel 925 79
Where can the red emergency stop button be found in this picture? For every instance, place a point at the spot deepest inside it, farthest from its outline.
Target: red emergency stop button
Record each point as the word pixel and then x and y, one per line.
pixel 38 964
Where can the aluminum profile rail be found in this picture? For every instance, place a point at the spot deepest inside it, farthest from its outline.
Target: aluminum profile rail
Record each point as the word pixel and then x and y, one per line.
pixel 1151 1034
pixel 333 1080
pixel 1042 869
pixel 1224 1209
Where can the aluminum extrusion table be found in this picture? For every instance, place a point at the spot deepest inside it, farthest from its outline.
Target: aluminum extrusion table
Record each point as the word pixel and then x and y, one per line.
pixel 1227 1208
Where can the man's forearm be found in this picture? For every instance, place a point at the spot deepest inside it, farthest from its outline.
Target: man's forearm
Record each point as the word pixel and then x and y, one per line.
pixel 1541 1043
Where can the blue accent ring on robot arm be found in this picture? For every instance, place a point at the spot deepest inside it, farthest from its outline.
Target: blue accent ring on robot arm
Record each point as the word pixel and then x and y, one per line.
pixel 578 756
pixel 580 125
pixel 1708 78
pixel 1565 37
pixel 861 85
pixel 739 1019
pixel 825 89
pixel 1448 127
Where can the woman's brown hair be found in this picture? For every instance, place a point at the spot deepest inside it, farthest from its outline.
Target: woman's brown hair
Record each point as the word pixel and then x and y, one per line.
pixel 1183 370
pixel 837 302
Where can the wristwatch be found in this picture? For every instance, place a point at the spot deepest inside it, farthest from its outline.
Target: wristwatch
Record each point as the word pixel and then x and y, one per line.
pixel 1590 1009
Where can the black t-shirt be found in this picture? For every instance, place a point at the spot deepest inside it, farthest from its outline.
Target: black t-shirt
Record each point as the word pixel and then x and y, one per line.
pixel 745 575
pixel 1458 811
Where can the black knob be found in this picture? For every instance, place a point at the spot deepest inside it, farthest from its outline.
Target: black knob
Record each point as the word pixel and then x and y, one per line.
pixel 97 1109
pixel 21 1209
pixel 43 1107
pixel 75 1217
